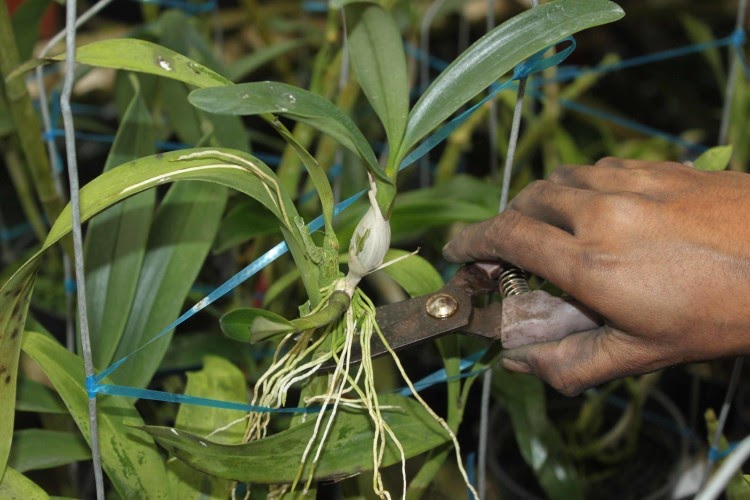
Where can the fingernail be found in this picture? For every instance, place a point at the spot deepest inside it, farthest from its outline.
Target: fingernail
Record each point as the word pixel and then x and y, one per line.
pixel 515 365
pixel 447 250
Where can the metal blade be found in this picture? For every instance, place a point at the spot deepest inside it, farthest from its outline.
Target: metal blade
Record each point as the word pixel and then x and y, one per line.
pixel 413 321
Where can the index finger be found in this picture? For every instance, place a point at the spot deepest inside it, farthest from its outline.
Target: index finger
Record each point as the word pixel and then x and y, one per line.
pixel 538 247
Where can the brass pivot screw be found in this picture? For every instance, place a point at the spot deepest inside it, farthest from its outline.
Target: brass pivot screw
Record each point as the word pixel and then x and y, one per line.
pixel 441 306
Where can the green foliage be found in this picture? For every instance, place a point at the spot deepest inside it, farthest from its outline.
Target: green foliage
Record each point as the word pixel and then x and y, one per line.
pixel 258 98
pixel 16 486
pixel 715 159
pixel 130 460
pixel 378 60
pixel 219 379
pixel 43 449
pixel 348 449
pixel 148 244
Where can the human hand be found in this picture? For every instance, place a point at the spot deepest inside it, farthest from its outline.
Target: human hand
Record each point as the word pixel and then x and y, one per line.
pixel 661 251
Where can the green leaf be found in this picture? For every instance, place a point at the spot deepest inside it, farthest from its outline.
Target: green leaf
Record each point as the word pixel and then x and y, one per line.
pixel 498 52
pixel 14 304
pixel 181 237
pixel 33 396
pixel 137 55
pixel 116 239
pixel 377 56
pixel 16 486
pixel 35 449
pixel 258 98
pixel 252 325
pixel 415 274
pixel 243 222
pixel 538 440
pixel 146 57
pixel 219 379
pixel 129 458
pixel 715 159
pixel 348 449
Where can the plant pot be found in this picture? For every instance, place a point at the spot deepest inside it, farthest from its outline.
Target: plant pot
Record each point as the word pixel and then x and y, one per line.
pixel 650 473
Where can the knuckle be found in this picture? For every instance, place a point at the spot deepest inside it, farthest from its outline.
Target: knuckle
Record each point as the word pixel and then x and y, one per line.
pixel 610 161
pixel 619 212
pixel 560 174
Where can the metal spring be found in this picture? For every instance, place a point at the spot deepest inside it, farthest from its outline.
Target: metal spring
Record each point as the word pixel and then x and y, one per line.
pixel 513 282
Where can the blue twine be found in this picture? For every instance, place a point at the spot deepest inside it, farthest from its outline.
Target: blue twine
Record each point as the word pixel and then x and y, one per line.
pixel 534 64
pixel 630 124
pixel 70 286
pixel 93 388
pixel 567 73
pixel 714 454
pixel 186 7
pixel 315 7
pixel 441 375
pixel 14 232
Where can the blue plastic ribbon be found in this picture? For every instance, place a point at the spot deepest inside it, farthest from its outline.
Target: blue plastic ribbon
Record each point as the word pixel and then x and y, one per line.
pixel 714 454
pixel 70 286
pixel 440 376
pixel 93 388
pixel 187 7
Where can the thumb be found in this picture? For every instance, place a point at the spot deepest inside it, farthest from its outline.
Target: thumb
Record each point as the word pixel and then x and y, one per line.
pixel 580 360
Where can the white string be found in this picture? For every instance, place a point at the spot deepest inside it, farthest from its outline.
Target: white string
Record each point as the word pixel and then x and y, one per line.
pixel 68 125
pixel 487 378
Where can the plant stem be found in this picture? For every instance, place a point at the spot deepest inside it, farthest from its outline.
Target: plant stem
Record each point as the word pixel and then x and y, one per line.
pixel 26 122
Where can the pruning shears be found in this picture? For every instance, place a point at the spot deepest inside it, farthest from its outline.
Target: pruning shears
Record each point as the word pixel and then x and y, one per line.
pixel 450 309
pixel 457 308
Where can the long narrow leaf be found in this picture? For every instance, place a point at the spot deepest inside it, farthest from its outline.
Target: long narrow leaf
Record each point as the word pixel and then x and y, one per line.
pixel 141 56
pixel 377 57
pixel 35 449
pixel 132 463
pixel 496 53
pixel 116 239
pixel 16 486
pixel 348 448
pixel 257 98
pixel 181 237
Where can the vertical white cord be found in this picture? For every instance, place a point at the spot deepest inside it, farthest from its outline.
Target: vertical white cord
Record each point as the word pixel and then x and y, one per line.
pixel 55 166
pixel 487 377
pixel 67 90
